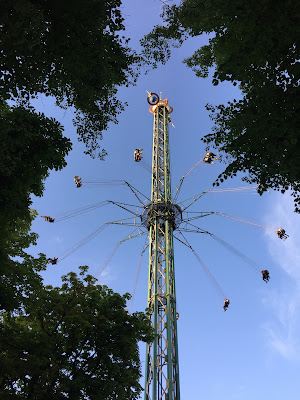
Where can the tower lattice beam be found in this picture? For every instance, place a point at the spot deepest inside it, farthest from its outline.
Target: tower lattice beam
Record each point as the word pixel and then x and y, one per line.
pixel 161 217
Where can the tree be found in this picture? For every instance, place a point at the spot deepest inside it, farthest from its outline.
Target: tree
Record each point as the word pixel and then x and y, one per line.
pixel 31 145
pixel 255 45
pixel 76 341
pixel 71 50
pixel 20 271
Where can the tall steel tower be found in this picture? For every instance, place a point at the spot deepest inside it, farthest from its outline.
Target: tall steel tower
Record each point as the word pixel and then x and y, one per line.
pixel 161 217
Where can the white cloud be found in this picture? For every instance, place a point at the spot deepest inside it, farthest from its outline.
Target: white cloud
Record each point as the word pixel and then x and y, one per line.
pixel 283 331
pixel 59 239
pixel 106 277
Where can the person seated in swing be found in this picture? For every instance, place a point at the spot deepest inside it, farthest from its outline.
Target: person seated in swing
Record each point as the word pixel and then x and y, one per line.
pixel 53 260
pixel 282 234
pixel 170 122
pixel 138 154
pixel 265 275
pixel 48 218
pixel 209 157
pixel 77 180
pixel 261 189
pixel 226 304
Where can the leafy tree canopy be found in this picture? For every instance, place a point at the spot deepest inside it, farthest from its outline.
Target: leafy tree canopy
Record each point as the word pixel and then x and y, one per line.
pixel 19 271
pixel 256 45
pixel 31 145
pixel 71 50
pixel 76 341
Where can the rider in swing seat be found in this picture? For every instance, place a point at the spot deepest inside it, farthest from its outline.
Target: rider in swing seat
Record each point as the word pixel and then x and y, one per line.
pixel 226 304
pixel 53 260
pixel 265 275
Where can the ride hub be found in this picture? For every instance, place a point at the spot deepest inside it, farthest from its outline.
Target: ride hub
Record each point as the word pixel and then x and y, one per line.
pixel 161 211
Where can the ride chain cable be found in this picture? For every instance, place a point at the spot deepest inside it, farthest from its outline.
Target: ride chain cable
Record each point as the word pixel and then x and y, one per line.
pixel 246 221
pixel 199 162
pixel 82 210
pixel 208 273
pixel 107 261
pixel 249 261
pixel 84 241
pixel 146 166
pixel 138 271
pixel 253 264
pixel 236 189
pixel 205 269
pixel 136 278
pixel 97 183
pixel 178 186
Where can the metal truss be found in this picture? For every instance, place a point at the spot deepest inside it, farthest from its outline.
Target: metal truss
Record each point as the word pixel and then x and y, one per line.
pixel 162 370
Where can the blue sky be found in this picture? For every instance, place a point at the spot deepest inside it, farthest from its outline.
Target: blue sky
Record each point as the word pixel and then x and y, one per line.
pixel 252 350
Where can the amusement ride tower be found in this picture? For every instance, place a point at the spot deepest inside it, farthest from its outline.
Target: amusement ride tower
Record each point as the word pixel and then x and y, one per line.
pixel 158 217
pixel 161 217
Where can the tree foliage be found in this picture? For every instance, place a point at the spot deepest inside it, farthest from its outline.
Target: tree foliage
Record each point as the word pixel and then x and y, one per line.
pixel 71 50
pixel 19 271
pixel 31 145
pixel 76 341
pixel 256 45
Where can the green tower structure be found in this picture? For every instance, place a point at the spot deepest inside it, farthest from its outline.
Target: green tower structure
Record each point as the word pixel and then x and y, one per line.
pixel 161 217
